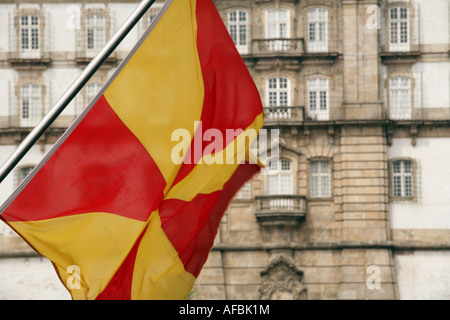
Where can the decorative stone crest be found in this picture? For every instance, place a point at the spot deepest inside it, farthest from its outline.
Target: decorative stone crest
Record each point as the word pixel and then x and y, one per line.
pixel 282 280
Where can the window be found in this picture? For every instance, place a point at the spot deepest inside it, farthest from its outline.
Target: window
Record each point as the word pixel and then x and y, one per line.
pixel 95 32
pixel 277 27
pixel 151 17
pixel 320 183
pixel 402 178
pixel 278 91
pixel 92 90
pixel 279 179
pixel 89 92
pixel 238 29
pixel 153 12
pixel 318 100
pixel 245 192
pixel 148 18
pixel 399 29
pixel 21 174
pixel 30 105
pixel 317 30
pixel 29 36
pixel 400 98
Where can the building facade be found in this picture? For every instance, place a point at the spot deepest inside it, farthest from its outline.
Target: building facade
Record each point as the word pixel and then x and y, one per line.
pixel 355 203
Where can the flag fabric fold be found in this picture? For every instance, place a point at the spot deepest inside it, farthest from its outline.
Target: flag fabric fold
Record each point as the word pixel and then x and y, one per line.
pixel 110 199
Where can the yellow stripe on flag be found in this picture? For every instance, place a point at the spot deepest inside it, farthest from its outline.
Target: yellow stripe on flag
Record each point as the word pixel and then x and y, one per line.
pixel 210 176
pixel 73 234
pixel 158 272
pixel 161 87
pixel 105 199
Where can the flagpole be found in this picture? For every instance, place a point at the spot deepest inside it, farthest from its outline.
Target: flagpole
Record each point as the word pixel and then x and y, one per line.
pixel 73 90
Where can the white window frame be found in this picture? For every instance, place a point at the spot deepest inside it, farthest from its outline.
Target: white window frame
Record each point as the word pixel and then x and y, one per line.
pixel 399 29
pixel 317 21
pixel 400 98
pixel 238 29
pixel 402 178
pixel 318 98
pixel 278 27
pixel 320 179
pixel 21 173
pixel 95 32
pixel 153 12
pixel 29 36
pixel 151 17
pixel 91 91
pixel 278 91
pixel 148 18
pixel 30 104
pixel 280 179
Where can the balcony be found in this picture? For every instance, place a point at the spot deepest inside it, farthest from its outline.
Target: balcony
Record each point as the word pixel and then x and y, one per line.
pixel 421 114
pixel 275 116
pixel 33 58
pixel 280 209
pixel 396 54
pixel 322 51
pixel 278 47
pixel 84 57
pixel 402 44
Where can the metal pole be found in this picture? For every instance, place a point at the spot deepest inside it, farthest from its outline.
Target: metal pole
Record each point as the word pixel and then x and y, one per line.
pixel 73 90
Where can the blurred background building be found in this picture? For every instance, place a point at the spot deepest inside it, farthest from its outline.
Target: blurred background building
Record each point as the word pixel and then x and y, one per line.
pixel 356 206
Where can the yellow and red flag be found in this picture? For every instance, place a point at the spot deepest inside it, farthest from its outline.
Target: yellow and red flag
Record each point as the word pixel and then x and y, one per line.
pixel 109 198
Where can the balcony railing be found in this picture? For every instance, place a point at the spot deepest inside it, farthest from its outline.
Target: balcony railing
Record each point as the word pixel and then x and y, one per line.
pixel 278 46
pixel 29 57
pixel 283 115
pixel 422 114
pixel 280 208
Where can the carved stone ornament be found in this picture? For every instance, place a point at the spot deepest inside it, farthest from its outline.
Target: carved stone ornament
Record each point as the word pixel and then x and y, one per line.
pixel 282 280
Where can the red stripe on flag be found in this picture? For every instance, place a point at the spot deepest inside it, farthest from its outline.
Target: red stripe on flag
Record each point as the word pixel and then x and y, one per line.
pixel 101 167
pixel 192 226
pixel 119 288
pixel 231 98
pixel 231 101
